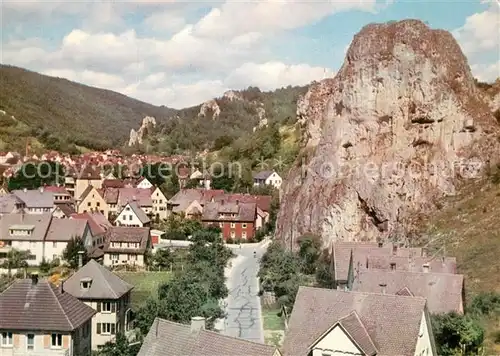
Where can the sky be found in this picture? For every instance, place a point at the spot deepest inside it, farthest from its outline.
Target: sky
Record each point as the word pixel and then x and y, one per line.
pixel 181 53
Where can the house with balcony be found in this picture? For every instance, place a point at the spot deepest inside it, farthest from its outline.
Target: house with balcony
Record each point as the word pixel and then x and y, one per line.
pixel 132 215
pixel 126 246
pixel 235 219
pixel 38 318
pixel 108 295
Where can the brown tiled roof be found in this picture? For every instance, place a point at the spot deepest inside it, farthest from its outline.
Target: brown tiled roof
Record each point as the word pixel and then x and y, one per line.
pixel 166 338
pixel 97 222
pixel 65 229
pixel 127 234
pixel 88 171
pixel 263 201
pixel 66 208
pixel 111 195
pixel 391 321
pixel 56 189
pixel 24 306
pixel 39 222
pixel 142 196
pixel 353 325
pixel 113 183
pixel 415 264
pixel 245 212
pixel 442 291
pixel 105 284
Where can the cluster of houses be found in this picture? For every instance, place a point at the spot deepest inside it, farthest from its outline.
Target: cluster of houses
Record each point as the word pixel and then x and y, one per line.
pixel 381 306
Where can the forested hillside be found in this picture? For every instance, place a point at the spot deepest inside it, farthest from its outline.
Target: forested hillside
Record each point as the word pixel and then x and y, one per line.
pixel 59 114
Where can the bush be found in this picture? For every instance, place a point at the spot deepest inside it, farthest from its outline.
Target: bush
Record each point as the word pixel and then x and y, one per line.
pixel 45 266
pixel 229 240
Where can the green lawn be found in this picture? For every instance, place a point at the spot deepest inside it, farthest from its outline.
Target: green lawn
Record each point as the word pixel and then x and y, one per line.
pixel 271 320
pixel 145 284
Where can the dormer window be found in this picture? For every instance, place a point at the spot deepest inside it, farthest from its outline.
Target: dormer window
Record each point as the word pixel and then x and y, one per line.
pixel 86 283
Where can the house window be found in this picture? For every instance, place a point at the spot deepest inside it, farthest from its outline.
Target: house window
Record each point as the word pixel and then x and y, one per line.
pixel 114 256
pixel 244 235
pixel 130 217
pixel 54 244
pixel 221 224
pixel 88 204
pixel 233 225
pixel 132 257
pixel 56 340
pixel 107 329
pixel 106 307
pixel 124 217
pixel 98 204
pixel 244 226
pixel 6 339
pixel 30 341
pixel 233 234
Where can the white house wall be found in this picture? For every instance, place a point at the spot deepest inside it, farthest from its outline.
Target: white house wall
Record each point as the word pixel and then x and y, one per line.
pixel 424 346
pixel 336 343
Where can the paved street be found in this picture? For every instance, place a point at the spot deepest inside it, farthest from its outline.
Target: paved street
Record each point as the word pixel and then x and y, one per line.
pixel 243 303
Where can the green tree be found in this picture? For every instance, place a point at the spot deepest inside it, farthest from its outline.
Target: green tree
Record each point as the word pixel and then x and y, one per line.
pixel 457 334
pixel 71 252
pixel 171 185
pixel 163 258
pixel 147 313
pixel 33 176
pixel 309 252
pixel 16 259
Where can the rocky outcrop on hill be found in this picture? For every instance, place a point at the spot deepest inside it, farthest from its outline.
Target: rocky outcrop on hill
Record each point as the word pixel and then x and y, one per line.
pixel 209 107
pixel 397 128
pixel 137 137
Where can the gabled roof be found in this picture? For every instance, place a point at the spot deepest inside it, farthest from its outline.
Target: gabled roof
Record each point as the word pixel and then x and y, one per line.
pixel 166 338
pixel 353 326
pixel 443 291
pixel 66 208
pixel 87 191
pixel 141 215
pixel 262 175
pixel 141 195
pixel 36 198
pixel 245 212
pixel 105 284
pixel 65 229
pixel 139 235
pixel 56 189
pixel 97 222
pixel 38 222
pixel 8 203
pixel 24 306
pixel 391 321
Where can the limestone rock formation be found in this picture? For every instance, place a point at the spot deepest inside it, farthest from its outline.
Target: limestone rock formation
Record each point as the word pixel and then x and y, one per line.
pixel 232 95
pixel 261 113
pixel 137 137
pixel 396 129
pixel 210 106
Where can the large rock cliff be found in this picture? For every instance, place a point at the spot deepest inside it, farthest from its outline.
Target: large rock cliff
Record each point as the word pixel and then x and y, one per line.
pixel 137 137
pixel 396 129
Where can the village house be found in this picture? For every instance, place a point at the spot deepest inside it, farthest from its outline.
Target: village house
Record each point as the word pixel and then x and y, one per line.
pixel 333 322
pixel 3 191
pixel 43 235
pixel 267 178
pixel 88 176
pixel 132 215
pixel 106 293
pixel 63 211
pixel 144 183
pixel 141 196
pixel 236 220
pixel 204 179
pixel 92 200
pixel 98 225
pixel 60 194
pixel 159 202
pixel 126 246
pixel 358 256
pixel 36 201
pixel 37 318
pixel 10 203
pixel 189 202
pixel 166 338
pixel 444 292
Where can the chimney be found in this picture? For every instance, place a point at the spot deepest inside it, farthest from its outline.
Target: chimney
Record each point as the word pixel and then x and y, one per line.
pixel 382 287
pixel 61 287
pixel 394 249
pixel 41 189
pixel 34 278
pixel 222 202
pixel 197 323
pixel 237 202
pixel 380 244
pixel 80 259
pixel 393 266
pixel 425 267
pixel 25 190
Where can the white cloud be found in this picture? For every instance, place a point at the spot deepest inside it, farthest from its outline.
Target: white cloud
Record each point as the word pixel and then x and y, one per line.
pixel 165 21
pixel 486 72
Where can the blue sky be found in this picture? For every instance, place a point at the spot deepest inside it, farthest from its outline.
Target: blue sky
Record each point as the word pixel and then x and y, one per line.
pixel 179 53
